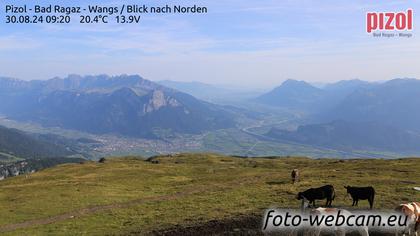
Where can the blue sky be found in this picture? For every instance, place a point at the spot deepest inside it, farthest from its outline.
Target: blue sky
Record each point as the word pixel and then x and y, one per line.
pixel 239 42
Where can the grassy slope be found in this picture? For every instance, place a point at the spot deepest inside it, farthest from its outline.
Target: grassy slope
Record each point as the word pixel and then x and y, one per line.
pixel 208 187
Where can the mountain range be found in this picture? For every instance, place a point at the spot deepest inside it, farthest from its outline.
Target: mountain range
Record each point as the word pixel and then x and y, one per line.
pixel 347 115
pixel 300 95
pixel 293 94
pixel 394 103
pixel 125 105
pixel 352 114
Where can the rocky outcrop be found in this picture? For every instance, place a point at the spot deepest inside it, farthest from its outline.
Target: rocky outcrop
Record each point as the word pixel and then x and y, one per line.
pixel 32 165
pixel 159 100
pixel 15 169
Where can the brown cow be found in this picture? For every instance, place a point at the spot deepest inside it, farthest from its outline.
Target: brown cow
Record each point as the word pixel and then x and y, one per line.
pixel 295 175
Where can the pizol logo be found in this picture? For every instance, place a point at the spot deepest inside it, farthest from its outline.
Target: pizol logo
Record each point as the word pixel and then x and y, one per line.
pixel 389 21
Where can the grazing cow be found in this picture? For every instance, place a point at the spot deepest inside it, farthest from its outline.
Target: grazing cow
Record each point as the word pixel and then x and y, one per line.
pixel 335 230
pixel 412 211
pixel 320 193
pixel 295 175
pixel 361 193
pixel 154 161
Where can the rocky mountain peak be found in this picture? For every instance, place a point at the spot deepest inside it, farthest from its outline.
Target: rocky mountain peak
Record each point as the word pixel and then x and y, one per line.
pixel 159 100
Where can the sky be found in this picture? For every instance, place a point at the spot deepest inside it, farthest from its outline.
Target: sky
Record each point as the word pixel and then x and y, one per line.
pixel 257 43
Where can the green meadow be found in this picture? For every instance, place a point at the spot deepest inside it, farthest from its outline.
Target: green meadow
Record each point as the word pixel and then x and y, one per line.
pixel 129 195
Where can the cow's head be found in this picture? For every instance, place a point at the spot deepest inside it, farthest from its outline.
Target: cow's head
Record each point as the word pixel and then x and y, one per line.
pixel 300 196
pixel 407 210
pixel 348 188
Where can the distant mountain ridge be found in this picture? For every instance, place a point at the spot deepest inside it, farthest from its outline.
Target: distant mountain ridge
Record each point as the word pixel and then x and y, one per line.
pixel 353 114
pixel 100 83
pixel 346 85
pixel 127 105
pixel 395 103
pixel 292 94
pixel 213 93
pixel 300 95
pixel 347 115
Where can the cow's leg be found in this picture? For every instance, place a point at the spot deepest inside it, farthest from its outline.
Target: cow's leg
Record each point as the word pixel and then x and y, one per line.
pixel 354 202
pixel 417 228
pixel 316 231
pixel 411 229
pixel 371 203
pixel 340 231
pixel 363 231
pixel 405 231
pixel 329 202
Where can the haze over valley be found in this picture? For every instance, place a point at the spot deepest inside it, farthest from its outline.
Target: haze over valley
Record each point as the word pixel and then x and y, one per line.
pixel 95 116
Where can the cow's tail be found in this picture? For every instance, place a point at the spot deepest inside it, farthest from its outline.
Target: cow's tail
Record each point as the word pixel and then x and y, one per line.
pixel 333 194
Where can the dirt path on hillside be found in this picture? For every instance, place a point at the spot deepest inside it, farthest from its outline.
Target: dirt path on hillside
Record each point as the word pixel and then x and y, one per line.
pixel 92 210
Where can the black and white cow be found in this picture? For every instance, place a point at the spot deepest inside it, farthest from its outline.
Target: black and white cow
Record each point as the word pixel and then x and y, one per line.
pixel 361 193
pixel 335 230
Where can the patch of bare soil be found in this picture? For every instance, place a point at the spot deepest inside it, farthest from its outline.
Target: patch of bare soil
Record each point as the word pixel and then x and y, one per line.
pixel 240 225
